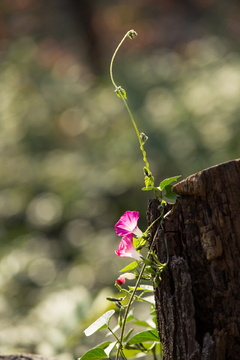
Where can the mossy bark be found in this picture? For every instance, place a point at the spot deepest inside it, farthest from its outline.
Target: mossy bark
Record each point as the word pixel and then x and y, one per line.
pixel 198 299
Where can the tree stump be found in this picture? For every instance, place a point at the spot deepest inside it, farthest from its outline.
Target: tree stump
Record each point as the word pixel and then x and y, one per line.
pixel 198 299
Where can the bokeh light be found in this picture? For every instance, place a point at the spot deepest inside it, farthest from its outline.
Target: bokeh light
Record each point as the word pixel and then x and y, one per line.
pixel 70 163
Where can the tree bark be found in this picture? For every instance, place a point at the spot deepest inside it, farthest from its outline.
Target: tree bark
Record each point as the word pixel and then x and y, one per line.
pixel 198 299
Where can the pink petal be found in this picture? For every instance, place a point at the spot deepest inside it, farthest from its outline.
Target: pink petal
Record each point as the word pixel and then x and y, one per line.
pixel 120 280
pixel 127 223
pixel 126 248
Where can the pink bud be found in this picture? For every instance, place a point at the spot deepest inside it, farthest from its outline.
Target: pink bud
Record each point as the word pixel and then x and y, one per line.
pixel 122 278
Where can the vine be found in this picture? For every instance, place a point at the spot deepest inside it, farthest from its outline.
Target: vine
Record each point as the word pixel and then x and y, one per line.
pixel 124 343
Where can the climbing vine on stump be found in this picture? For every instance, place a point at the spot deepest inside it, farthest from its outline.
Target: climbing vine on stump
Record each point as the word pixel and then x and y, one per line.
pixel 198 299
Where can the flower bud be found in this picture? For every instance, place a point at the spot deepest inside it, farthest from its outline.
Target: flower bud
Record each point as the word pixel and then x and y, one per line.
pixel 122 278
pixel 132 34
pixel 143 138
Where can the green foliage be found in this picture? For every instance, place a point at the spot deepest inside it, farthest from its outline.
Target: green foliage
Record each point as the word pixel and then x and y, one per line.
pixel 95 354
pixel 130 267
pixel 146 288
pixel 164 185
pixel 99 324
pixel 169 193
pixel 125 343
pixel 129 342
pixel 143 324
pixel 168 181
pixel 144 336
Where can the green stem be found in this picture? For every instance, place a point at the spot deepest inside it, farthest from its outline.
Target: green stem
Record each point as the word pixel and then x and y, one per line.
pixel 123 356
pixel 133 295
pixel 165 240
pixel 113 57
pixel 154 353
pixel 146 231
pixel 153 224
pixel 138 135
pixel 125 103
pixel 113 334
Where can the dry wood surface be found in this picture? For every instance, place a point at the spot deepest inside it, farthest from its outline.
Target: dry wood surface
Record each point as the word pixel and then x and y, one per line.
pixel 198 299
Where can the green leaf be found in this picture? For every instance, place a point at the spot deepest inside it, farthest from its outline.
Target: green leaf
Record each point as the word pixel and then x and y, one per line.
pixel 136 241
pixel 142 323
pixel 130 267
pixel 130 317
pixel 144 336
pixel 94 354
pixel 104 345
pixel 110 298
pixel 157 281
pixel 153 312
pixel 169 193
pixel 132 353
pixel 168 181
pixel 148 189
pixel 127 335
pixel 110 348
pixel 100 323
pixel 146 288
pixel 158 349
pixel 149 270
pixel 149 299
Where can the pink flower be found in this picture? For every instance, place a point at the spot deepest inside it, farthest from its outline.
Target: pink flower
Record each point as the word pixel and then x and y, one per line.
pixel 126 248
pixel 127 224
pixel 123 277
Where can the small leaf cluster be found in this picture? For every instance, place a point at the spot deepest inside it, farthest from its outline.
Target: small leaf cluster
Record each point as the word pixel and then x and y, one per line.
pixel 163 190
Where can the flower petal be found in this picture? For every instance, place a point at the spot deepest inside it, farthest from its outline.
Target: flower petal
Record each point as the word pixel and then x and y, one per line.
pixel 126 248
pixel 138 232
pixel 127 223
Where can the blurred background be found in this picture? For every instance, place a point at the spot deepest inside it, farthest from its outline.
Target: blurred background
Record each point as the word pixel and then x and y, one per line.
pixel 70 162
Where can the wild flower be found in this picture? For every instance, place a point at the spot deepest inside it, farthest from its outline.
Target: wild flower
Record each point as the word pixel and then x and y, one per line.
pixel 127 249
pixel 128 224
